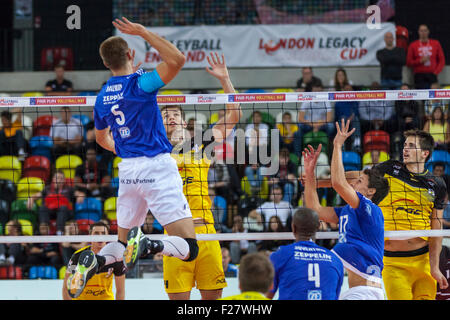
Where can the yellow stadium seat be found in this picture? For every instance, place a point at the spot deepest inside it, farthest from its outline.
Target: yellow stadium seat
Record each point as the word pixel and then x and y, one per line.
pixel 10 168
pixel 367 158
pixel 62 273
pixel 115 167
pixel 26 187
pixel 27 227
pixel 68 164
pixel 263 191
pixel 170 92
pixel 109 208
pixel 33 94
pixel 283 90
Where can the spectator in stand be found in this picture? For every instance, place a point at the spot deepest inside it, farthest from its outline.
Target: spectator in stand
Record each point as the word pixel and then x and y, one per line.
pixel 59 86
pixel 286 176
pixel 56 202
pixel 256 133
pixel 93 176
pixel 148 227
pixel 340 80
pixel 314 116
pixel 254 176
pixel 348 110
pixel 439 128
pixel 409 113
pixel 308 80
pixel 13 253
pixel 254 222
pixel 239 248
pixel 44 253
pixel 377 114
pixel 276 207
pixel 426 58
pixel 287 130
pixel 431 104
pixel 106 156
pixel 67 134
pixel 218 209
pixel 69 248
pixel 230 269
pixel 439 170
pixel 274 225
pixel 392 59
pixel 12 141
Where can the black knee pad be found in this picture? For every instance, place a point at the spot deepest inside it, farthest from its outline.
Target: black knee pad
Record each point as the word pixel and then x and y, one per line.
pixel 193 248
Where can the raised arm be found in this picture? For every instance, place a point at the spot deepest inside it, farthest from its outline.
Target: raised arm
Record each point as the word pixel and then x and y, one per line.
pixel 338 178
pixel 173 59
pixel 104 139
pixel 233 113
pixel 311 198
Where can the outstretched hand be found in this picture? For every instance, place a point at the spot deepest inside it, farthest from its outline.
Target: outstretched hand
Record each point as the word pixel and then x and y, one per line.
pixel 310 157
pixel 128 27
pixel 217 67
pixel 342 132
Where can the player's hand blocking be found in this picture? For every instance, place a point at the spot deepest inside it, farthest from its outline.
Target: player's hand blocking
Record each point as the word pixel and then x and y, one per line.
pixel 128 27
pixel 218 68
pixel 310 157
pixel 342 134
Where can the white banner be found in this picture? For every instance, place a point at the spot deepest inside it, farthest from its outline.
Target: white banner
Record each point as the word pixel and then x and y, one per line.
pixel 293 45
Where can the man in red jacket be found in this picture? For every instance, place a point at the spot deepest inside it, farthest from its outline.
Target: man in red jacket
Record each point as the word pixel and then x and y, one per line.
pixel 426 58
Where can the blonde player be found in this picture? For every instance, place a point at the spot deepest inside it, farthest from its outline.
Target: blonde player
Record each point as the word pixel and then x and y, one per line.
pixel 206 272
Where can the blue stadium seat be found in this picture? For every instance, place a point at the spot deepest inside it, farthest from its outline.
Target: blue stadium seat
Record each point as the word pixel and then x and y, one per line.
pixel 41 146
pixel 351 160
pixel 90 209
pixel 255 91
pixel 439 156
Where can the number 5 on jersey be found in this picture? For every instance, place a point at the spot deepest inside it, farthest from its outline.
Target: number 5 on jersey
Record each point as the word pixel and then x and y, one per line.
pixel 121 120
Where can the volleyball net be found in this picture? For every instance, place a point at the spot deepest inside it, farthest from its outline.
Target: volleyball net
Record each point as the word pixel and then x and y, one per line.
pixel 56 181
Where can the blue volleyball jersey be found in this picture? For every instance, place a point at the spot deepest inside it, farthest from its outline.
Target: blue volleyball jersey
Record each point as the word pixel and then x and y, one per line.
pixel 306 271
pixel 133 115
pixel 361 239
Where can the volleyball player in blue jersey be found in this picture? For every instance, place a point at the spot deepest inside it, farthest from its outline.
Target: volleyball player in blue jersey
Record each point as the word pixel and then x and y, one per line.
pixel 303 269
pixel 361 223
pixel 128 122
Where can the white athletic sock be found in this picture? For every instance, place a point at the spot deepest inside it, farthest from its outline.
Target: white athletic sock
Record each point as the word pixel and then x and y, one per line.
pixel 175 246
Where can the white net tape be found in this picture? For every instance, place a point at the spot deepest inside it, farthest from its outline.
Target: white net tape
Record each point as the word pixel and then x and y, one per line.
pixel 395 235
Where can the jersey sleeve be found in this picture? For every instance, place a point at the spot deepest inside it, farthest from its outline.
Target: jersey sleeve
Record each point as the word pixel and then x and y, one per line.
pixel 150 81
pixel 367 210
pixel 99 122
pixel 384 167
pixel 440 194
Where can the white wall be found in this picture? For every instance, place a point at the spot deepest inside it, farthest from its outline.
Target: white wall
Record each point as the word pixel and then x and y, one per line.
pixel 135 289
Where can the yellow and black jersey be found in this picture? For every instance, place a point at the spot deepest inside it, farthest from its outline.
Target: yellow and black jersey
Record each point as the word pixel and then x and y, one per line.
pixel 412 197
pixel 193 162
pixel 248 295
pixel 100 286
